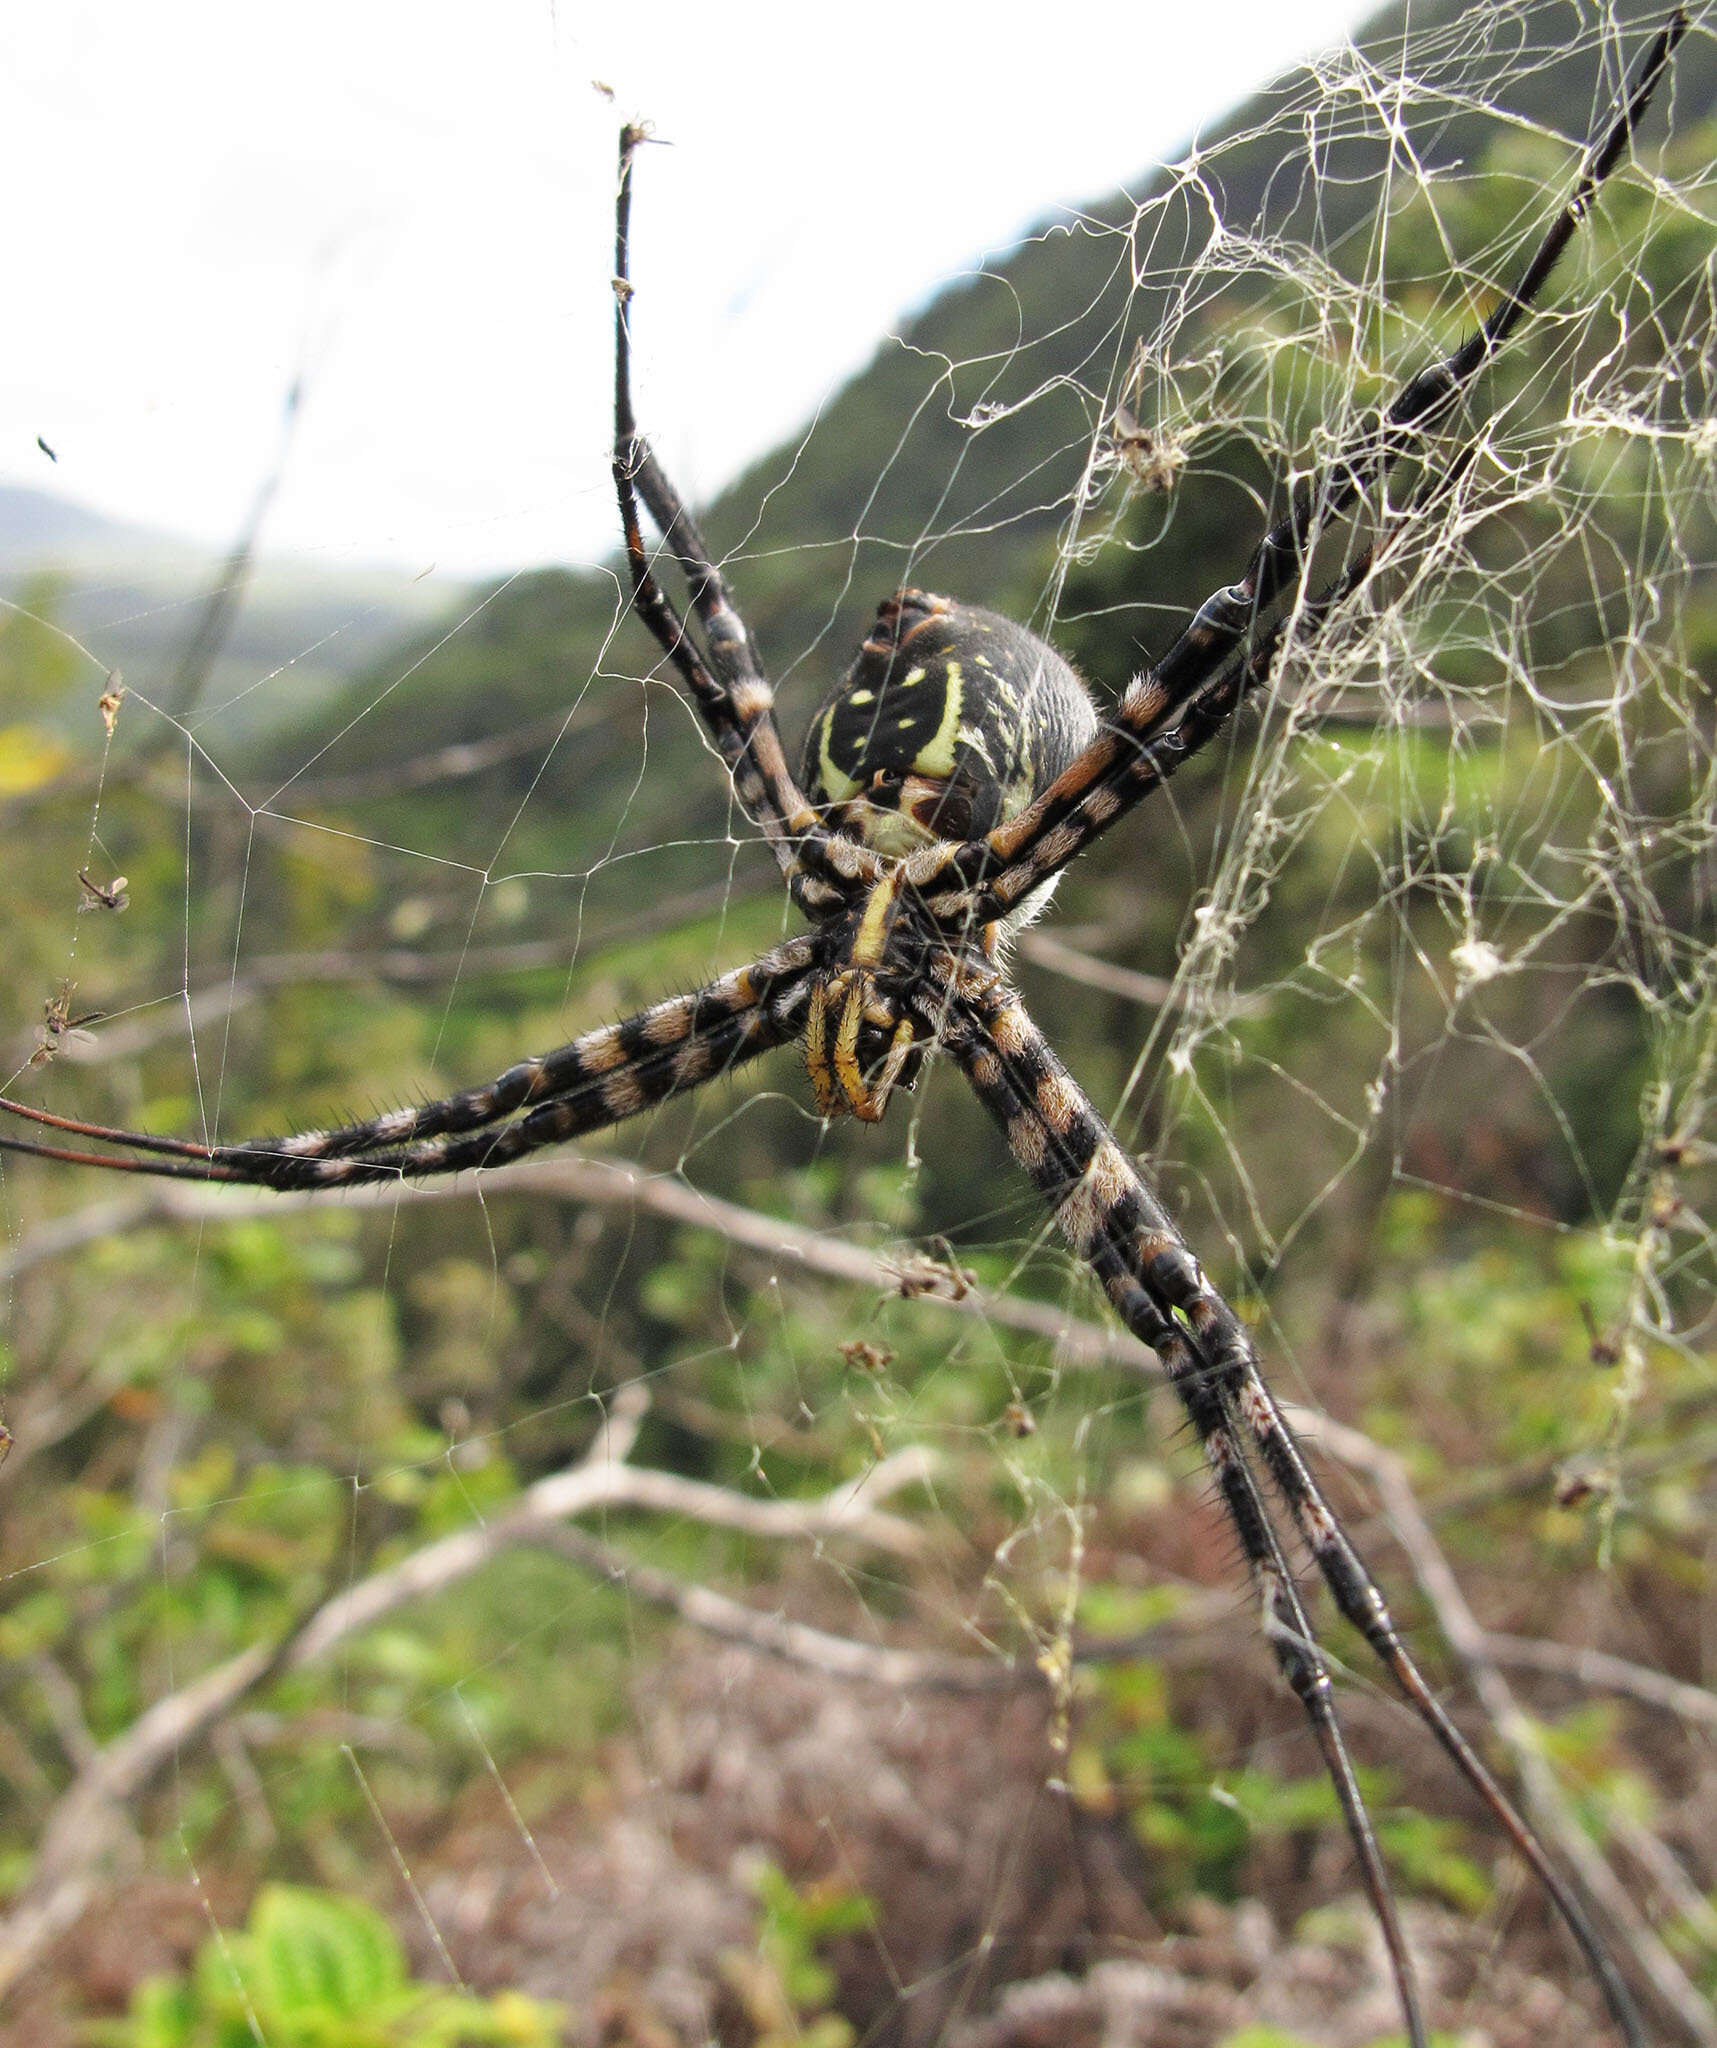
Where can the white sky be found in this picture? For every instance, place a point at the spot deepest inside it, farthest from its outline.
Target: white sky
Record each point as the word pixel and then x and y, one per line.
pixel 411 199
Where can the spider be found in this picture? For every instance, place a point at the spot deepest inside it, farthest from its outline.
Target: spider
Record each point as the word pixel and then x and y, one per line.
pixel 947 780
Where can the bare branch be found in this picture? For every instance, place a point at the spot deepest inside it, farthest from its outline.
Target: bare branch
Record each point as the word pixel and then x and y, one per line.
pixel 1598 1671
pixel 1153 991
pixel 611 1184
pixel 793 1642
pixel 188 1012
pixel 1056 956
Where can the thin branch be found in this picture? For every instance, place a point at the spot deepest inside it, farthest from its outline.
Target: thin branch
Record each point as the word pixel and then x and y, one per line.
pixel 601 1183
pixel 1088 970
pixel 455 761
pixel 603 1480
pixel 1598 1671
pixel 1534 1474
pixel 1153 991
pixel 186 1013
pixel 1660 1864
pixel 65 1711
pixel 792 1642
pixel 226 596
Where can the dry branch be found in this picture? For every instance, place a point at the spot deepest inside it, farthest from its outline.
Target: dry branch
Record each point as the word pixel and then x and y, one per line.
pixel 600 1183
pixel 1598 1671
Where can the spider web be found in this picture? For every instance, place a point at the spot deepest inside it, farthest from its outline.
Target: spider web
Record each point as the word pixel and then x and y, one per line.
pixel 733 1580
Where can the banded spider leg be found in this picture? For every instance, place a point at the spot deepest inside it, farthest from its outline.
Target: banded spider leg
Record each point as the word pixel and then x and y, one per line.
pixel 595 1080
pixel 986 878
pixel 1112 1220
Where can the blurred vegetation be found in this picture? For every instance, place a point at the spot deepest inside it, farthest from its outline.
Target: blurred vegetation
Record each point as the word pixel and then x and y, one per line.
pixel 312 1970
pixel 1415 1106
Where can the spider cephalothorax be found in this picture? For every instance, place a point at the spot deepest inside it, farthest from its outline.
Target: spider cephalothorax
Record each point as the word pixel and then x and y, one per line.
pixel 950 722
pixel 949 778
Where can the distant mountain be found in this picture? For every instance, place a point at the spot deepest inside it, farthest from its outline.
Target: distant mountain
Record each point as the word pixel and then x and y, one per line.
pixel 136 597
pixel 38 528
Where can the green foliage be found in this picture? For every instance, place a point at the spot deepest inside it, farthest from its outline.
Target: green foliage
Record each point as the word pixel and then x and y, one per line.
pixel 314 1969
pixel 786 1986
pixel 1263 2037
pixel 1198 1821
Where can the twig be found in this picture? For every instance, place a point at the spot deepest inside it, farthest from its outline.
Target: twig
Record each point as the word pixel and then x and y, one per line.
pixel 602 1479
pixel 232 1752
pixel 65 1710
pixel 1598 1671
pixel 1153 991
pixel 1657 1860
pixel 451 763
pixel 226 596
pixel 611 1184
pixel 1532 1475
pixel 793 1642
pixel 187 1012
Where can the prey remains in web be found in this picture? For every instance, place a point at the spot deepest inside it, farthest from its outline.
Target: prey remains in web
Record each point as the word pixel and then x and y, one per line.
pixel 947 781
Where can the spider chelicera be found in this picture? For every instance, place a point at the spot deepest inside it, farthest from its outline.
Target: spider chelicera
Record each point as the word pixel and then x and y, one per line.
pixel 947 780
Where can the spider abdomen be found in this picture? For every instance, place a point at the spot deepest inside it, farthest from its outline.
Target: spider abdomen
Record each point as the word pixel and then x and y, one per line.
pixel 948 723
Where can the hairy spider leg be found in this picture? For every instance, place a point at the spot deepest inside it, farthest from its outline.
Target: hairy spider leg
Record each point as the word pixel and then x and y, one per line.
pixel 1081 1172
pixel 600 1078
pixel 737 703
pixel 1209 708
pixel 1111 1219
pixel 985 878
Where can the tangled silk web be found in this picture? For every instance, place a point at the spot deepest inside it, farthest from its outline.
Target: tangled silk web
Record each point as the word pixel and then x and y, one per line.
pixel 725 1578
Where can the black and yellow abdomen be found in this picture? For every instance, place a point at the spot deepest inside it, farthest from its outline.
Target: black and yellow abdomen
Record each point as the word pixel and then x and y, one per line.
pixel 950 722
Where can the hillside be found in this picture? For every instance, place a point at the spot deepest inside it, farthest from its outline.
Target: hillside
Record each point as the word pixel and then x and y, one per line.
pixel 141 597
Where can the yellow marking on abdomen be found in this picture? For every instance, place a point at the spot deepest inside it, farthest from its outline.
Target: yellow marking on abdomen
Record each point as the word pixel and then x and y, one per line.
pixel 936 756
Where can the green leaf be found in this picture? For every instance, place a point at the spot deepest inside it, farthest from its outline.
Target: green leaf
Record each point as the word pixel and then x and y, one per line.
pixel 317 1969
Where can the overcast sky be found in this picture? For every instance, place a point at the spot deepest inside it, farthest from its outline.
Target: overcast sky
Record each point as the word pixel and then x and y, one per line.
pixel 411 204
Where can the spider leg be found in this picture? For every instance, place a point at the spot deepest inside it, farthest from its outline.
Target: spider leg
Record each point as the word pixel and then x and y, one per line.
pixel 1113 1221
pixel 1200 719
pixel 736 701
pixel 985 877
pixel 1207 711
pixel 1064 1146
pixel 595 1080
pixel 1148 766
